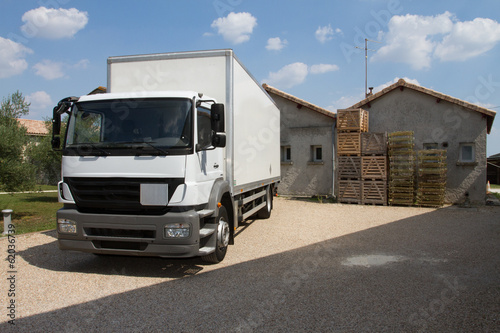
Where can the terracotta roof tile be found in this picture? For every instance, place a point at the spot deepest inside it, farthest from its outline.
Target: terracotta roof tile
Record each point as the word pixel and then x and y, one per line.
pixel 34 127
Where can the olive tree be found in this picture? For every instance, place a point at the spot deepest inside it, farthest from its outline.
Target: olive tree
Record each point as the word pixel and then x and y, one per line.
pixel 15 174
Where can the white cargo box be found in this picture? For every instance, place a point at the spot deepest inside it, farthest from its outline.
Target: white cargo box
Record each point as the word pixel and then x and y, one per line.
pixel 252 119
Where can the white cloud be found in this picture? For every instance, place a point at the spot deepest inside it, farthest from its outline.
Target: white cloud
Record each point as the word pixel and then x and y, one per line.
pixel 416 40
pixel 468 39
pixel 347 101
pixel 235 28
pixel 39 100
pixel 387 84
pixel 326 33
pixel 53 23
pixel 12 58
pixel 323 68
pixel 288 76
pixel 276 44
pixel 82 64
pixel 410 39
pixel 49 70
pixel 296 73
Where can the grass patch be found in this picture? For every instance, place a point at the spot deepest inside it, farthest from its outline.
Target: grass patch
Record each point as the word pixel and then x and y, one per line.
pixel 46 188
pixel 495 186
pixel 32 211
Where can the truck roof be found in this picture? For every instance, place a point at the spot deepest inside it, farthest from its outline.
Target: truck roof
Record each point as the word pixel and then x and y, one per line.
pixel 142 94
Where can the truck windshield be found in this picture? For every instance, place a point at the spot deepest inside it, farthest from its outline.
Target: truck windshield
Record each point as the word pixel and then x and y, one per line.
pixel 132 126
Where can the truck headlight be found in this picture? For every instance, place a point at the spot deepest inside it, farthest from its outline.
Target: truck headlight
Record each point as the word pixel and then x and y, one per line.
pixel 66 226
pixel 177 230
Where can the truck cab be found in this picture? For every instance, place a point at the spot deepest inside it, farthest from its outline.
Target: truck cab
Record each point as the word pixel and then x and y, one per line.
pixel 130 159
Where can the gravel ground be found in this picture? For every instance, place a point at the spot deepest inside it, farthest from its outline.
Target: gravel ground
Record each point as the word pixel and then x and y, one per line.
pixel 310 267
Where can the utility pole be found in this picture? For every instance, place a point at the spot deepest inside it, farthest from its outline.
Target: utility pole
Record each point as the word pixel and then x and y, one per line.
pixel 366 62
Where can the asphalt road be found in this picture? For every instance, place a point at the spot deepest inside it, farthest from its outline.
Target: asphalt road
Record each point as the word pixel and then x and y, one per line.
pixel 309 268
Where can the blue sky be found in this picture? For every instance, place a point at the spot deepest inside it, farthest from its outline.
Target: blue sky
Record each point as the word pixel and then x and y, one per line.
pixel 50 49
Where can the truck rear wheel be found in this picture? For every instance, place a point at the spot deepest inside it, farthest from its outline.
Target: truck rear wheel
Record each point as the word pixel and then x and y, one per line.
pixel 222 238
pixel 265 212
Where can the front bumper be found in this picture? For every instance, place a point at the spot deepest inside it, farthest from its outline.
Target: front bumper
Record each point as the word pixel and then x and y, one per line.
pixel 135 235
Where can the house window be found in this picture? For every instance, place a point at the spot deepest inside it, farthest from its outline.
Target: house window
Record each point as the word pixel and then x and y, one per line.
pixel 317 154
pixel 467 152
pixel 286 154
pixel 432 145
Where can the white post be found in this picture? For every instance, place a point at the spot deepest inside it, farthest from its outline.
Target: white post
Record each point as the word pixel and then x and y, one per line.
pixel 6 220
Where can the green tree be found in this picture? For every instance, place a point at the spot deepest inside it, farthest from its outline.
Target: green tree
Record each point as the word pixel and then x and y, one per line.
pixel 15 175
pixel 46 161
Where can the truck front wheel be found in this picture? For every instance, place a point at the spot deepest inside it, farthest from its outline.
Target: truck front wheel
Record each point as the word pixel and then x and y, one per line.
pixel 222 238
pixel 265 212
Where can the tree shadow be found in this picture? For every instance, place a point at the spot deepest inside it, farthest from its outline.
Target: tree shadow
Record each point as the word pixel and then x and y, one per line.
pixel 37 198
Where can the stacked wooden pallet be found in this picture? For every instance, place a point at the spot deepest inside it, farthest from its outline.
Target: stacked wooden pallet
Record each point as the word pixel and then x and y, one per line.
pixel 401 149
pixel 351 123
pixel 431 177
pixel 374 168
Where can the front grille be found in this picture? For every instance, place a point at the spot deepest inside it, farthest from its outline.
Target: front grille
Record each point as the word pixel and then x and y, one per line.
pixel 124 233
pixel 116 195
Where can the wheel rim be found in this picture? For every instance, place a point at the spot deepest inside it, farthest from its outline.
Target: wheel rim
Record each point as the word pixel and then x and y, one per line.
pixel 222 234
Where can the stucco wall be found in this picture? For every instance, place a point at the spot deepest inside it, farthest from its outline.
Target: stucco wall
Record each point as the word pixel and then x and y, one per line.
pixel 301 129
pixel 438 122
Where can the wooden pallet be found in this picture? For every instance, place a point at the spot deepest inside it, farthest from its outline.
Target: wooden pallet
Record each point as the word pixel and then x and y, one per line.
pixel 401 196
pixel 374 143
pixel 348 167
pixel 430 201
pixel 374 192
pixel 350 191
pixel 352 120
pixel 407 151
pixel 397 136
pixel 432 159
pixel 349 144
pixel 373 167
pixel 432 174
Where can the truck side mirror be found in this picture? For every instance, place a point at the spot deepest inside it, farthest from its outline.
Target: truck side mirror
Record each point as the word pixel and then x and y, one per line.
pixel 56 130
pixel 217 117
pixel 56 142
pixel 62 107
pixel 219 140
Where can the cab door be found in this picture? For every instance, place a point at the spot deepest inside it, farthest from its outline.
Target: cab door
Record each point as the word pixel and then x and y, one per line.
pixel 211 161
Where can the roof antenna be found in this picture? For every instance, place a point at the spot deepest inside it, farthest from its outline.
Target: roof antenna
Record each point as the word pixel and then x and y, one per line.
pixel 366 63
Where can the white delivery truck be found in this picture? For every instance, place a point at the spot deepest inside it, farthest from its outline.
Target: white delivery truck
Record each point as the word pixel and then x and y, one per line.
pixel 181 148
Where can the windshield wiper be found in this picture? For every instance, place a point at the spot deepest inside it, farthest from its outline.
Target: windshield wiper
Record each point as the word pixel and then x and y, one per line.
pixel 149 143
pixel 153 146
pixel 94 147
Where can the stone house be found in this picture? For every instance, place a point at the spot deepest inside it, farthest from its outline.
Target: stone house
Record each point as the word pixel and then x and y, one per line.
pixel 439 121
pixel 307 146
pixel 35 129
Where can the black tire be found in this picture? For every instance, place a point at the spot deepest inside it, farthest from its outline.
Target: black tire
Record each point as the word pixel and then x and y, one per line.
pixel 222 238
pixel 265 212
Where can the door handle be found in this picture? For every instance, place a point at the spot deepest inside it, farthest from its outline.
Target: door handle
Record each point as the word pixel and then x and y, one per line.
pixel 216 166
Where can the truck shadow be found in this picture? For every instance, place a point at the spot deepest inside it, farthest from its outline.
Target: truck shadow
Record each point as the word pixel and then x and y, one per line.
pixel 48 256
